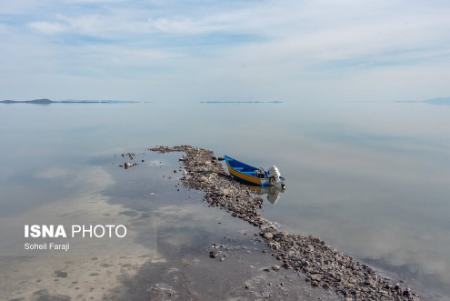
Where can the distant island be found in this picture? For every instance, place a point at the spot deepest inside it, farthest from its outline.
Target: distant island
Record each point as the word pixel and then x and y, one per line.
pixel 46 101
pixel 439 101
pixel 238 102
pixel 443 101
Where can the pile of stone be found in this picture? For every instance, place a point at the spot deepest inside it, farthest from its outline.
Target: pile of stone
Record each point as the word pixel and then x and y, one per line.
pixel 321 265
pixel 131 163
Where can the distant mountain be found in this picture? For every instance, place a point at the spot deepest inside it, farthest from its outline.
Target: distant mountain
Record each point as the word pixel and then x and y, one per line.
pixel 42 101
pixel 45 101
pixel 444 101
pixel 439 101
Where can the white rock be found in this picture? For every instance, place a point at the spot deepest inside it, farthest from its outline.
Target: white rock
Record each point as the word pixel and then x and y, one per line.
pixel 268 235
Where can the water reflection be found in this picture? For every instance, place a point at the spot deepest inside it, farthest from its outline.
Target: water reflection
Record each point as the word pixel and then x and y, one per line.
pixel 272 194
pixel 370 179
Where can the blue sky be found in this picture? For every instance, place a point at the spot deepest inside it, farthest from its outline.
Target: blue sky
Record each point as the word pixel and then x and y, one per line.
pixel 348 50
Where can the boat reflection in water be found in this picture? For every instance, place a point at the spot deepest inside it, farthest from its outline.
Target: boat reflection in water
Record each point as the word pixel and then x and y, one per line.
pixel 271 193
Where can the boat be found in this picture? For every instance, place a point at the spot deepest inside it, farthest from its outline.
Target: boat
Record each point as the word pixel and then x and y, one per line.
pixel 254 175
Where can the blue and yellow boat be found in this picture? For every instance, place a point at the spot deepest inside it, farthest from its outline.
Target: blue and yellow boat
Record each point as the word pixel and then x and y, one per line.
pixel 254 175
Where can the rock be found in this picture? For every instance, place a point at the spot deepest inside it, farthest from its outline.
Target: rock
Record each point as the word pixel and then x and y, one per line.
pixel 213 254
pixel 276 267
pixel 268 235
pixel 315 277
pixel 370 282
pixel 61 274
pixel 226 191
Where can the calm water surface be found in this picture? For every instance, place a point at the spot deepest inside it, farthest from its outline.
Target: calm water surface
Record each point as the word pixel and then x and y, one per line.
pixel 371 179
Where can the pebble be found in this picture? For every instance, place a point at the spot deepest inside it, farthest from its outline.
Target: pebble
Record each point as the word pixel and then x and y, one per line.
pixel 213 254
pixel 268 235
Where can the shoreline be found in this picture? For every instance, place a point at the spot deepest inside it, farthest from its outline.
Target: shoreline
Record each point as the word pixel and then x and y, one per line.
pixel 321 265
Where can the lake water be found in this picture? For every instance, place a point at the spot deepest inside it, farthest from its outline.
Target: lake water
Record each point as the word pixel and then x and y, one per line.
pixel 371 179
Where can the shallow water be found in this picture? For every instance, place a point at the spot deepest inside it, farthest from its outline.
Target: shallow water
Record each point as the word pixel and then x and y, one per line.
pixel 369 178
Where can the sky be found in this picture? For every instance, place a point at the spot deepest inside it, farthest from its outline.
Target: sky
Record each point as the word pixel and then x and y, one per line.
pixel 199 50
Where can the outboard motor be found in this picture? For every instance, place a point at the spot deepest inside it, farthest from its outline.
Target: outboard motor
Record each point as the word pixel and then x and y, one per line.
pixel 274 174
pixel 275 177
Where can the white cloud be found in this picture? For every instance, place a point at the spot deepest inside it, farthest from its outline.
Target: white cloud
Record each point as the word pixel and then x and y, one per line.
pixel 48 27
pixel 180 26
pixel 296 44
pixel 92 1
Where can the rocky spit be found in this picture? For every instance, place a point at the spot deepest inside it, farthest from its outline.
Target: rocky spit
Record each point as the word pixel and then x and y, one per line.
pixel 322 265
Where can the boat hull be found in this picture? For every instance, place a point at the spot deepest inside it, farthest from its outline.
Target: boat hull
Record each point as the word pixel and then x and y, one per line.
pixel 248 178
pixel 246 173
